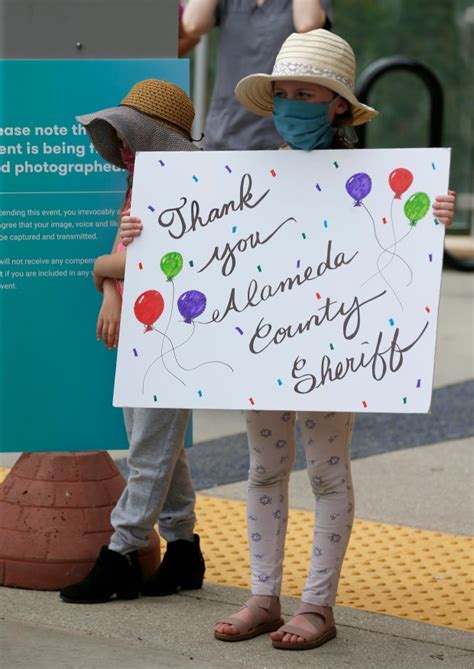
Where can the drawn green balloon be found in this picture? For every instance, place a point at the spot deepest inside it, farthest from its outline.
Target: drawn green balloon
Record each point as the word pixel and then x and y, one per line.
pixel 171 264
pixel 416 207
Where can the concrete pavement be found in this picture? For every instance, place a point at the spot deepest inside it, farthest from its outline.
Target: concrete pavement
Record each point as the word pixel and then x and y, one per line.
pixel 168 632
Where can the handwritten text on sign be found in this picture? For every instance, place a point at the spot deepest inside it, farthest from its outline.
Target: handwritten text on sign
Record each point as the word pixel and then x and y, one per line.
pixel 283 280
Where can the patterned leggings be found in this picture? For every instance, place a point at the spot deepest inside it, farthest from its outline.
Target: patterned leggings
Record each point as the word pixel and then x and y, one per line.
pixel 272 445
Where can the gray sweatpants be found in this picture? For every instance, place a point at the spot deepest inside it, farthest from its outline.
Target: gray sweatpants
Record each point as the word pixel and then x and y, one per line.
pixel 159 487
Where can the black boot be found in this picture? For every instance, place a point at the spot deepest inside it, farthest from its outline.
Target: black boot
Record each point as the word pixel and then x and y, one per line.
pixel 182 568
pixel 112 574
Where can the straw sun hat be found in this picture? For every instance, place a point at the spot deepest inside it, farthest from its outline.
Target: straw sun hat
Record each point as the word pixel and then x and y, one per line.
pixel 318 57
pixel 155 115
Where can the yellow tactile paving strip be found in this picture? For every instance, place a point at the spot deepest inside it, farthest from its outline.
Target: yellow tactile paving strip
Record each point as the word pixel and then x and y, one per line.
pixel 390 569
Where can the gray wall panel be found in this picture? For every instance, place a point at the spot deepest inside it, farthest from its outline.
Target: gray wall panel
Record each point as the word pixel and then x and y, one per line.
pixel 104 28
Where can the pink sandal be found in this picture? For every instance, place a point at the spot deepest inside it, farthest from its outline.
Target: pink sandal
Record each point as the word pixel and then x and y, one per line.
pixel 266 617
pixel 319 629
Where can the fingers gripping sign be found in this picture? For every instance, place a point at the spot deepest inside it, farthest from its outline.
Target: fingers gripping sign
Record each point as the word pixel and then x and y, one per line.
pixel 130 227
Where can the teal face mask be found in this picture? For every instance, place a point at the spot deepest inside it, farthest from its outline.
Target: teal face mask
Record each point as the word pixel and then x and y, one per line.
pixel 304 125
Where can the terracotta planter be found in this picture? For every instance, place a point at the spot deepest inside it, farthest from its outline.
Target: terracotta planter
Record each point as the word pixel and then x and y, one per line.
pixel 54 517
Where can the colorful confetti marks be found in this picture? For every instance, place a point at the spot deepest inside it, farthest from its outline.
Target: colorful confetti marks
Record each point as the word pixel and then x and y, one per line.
pixel 135 352
pixel 298 263
pixel 273 173
pixel 418 383
pixel 155 399
pixel 152 209
pixel 259 268
pixel 430 257
pixel 436 222
pixel 239 330
pixel 251 401
pixel 195 178
pixel 303 235
pixel 331 346
pixel 364 404
pixel 140 265
pixel 318 187
pixel 391 321
pixel 234 229
pixel 228 169
pixel 428 310
pixel 405 400
pixel 433 166
pixel 161 163
pixel 280 382
pixel 200 393
pixel 336 164
pixel 191 264
pixel 318 296
pixel 325 224
pixel 384 220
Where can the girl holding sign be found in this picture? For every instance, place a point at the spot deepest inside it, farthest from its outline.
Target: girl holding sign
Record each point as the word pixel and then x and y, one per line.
pixel 310 97
pixel 154 115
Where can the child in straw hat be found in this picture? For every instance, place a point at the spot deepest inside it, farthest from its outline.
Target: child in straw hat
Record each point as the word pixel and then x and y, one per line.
pixel 154 115
pixel 310 97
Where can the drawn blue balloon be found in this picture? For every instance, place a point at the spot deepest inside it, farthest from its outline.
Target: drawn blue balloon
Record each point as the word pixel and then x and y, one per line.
pixel 359 186
pixel 191 304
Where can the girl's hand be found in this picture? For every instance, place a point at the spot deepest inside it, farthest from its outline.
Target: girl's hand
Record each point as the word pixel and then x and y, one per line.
pixel 130 227
pixel 444 207
pixel 108 321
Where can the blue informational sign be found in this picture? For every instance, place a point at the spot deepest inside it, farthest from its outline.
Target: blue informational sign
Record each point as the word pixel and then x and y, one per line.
pixel 59 206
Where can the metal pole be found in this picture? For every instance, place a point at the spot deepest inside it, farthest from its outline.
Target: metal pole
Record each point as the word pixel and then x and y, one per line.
pixel 381 67
pixel 200 85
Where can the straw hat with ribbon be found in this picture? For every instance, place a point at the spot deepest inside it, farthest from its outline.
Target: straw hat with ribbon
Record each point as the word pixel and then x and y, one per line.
pixel 319 57
pixel 155 115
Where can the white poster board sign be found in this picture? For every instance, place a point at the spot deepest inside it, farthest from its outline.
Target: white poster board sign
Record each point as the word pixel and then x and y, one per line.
pixel 283 280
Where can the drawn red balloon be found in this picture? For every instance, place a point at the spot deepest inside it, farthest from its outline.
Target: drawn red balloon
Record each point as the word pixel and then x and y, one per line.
pixel 400 180
pixel 148 308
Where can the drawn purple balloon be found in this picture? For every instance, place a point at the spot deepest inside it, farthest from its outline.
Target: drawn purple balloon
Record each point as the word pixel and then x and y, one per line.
pixel 359 186
pixel 191 304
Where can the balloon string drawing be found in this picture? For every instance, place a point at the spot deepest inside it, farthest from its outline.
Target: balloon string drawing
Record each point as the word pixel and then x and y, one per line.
pixel 384 250
pixel 359 186
pixel 171 265
pixel 150 305
pixel 172 350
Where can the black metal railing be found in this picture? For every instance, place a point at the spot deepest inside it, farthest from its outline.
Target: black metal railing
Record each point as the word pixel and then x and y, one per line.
pixel 376 71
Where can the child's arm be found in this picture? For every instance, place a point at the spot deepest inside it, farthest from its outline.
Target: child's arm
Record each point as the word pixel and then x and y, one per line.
pixel 109 266
pixel 108 321
pixel 444 207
